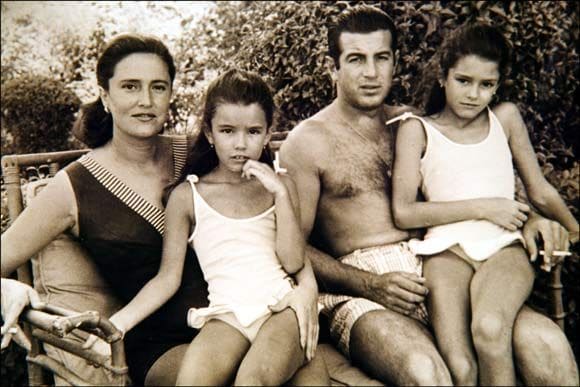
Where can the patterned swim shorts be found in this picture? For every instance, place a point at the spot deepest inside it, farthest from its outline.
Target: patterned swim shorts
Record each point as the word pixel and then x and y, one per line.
pixel 343 311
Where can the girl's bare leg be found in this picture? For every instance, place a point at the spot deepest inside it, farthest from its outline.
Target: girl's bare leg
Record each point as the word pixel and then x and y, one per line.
pixel 448 279
pixel 275 354
pixel 498 291
pixel 213 356
pixel 313 373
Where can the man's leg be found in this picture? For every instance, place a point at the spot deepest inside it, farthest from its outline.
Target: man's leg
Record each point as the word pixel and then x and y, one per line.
pixel 397 349
pixel 542 353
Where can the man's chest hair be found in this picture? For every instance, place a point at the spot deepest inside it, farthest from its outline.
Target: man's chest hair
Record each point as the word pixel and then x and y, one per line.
pixel 354 167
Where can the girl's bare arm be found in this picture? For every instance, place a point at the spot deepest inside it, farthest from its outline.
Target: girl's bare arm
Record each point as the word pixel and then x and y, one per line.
pixel 411 213
pixel 289 239
pixel 178 221
pixel 540 192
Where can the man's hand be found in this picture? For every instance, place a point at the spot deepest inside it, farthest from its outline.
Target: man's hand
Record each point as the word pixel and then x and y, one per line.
pixel 553 235
pixel 304 302
pixel 398 291
pixel 15 297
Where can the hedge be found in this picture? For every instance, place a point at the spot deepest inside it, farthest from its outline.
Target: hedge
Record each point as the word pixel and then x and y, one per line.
pixel 37 113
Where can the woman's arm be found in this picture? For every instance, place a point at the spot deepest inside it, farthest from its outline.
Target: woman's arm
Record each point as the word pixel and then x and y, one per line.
pixel 45 217
pixel 541 193
pixel 178 221
pixel 411 213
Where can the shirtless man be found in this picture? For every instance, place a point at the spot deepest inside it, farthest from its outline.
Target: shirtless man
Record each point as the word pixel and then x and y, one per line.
pixel 340 160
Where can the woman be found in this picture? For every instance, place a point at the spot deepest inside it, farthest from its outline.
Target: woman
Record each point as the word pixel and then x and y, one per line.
pixel 125 174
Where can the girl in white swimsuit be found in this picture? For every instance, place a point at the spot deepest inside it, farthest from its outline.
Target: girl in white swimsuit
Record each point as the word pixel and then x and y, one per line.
pixel 241 217
pixel 460 157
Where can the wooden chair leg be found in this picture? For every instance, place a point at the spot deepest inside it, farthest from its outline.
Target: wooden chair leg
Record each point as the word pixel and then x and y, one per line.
pixel 557 312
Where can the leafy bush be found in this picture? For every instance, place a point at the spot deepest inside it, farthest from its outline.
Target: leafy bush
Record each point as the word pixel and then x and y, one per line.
pixel 38 112
pixel 286 43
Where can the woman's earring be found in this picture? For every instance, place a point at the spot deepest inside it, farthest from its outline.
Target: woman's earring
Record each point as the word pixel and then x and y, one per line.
pixel 211 145
pixel 106 109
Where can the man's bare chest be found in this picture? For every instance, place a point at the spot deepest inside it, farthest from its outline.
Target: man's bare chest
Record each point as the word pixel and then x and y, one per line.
pixel 357 167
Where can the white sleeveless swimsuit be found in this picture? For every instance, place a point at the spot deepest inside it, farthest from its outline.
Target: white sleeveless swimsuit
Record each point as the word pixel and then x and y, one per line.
pixel 452 171
pixel 239 263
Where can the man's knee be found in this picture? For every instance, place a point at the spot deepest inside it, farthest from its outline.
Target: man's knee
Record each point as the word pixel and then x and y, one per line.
pixel 542 350
pixel 424 369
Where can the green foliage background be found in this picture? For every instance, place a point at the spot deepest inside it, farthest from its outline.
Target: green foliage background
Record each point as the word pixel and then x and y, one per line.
pixel 286 43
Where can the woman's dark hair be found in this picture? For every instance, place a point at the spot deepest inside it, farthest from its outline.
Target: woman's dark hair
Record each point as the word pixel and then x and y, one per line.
pixel 478 39
pixel 94 126
pixel 359 19
pixel 234 87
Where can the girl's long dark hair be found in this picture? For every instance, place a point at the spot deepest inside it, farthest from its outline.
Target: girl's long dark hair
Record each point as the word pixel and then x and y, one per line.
pixel 236 87
pixel 478 39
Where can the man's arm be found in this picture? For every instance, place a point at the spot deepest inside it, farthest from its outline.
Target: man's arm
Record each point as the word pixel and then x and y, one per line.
pixel 302 163
pixel 398 291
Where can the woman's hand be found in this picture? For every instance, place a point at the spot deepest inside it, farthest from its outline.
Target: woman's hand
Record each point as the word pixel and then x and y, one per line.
pixel 265 175
pixel 98 345
pixel 304 302
pixel 506 213
pixel 15 297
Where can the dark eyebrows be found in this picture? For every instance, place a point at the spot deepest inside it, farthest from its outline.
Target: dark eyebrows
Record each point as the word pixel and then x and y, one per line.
pixel 139 81
pixel 464 76
pixel 361 54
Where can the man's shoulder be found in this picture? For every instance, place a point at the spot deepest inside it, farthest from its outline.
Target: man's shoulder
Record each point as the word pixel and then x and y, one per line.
pixel 312 131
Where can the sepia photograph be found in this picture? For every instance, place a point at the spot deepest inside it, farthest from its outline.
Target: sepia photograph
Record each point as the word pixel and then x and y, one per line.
pixel 321 193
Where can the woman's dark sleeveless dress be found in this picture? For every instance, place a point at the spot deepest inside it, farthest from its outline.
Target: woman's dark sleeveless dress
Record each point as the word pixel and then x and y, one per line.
pixel 123 234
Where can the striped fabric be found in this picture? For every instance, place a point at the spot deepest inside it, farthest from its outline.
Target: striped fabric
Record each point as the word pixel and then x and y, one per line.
pixel 152 214
pixel 179 145
pixel 344 311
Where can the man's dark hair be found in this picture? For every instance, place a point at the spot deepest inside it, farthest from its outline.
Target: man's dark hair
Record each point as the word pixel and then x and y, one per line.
pixel 360 19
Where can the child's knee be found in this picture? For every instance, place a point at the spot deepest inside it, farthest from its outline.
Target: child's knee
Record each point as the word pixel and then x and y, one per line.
pixel 463 367
pixel 491 331
pixel 264 374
